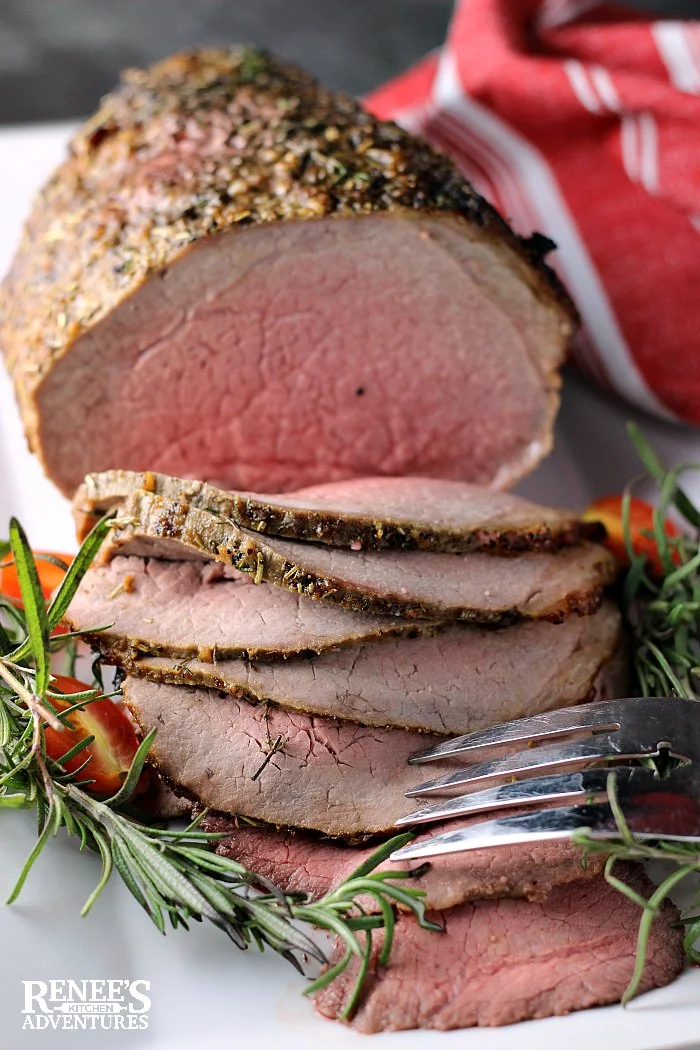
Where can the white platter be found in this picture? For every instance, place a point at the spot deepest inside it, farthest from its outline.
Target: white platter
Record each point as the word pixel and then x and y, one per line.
pixel 204 992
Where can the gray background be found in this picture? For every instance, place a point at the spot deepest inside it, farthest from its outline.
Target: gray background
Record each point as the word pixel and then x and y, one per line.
pixel 58 56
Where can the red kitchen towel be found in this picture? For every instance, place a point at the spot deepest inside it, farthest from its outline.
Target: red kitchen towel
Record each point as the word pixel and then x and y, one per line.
pixel 582 120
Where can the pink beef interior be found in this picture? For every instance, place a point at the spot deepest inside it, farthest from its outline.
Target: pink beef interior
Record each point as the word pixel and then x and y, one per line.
pixel 301 862
pixel 305 352
pixel 502 961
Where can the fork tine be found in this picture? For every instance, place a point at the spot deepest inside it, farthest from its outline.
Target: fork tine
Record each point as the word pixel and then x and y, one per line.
pixel 654 808
pixel 585 718
pixel 589 785
pixel 540 826
pixel 549 758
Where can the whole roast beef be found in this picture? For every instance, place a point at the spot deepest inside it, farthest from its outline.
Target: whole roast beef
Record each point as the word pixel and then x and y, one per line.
pixel 363 513
pixel 502 961
pixel 477 587
pixel 239 275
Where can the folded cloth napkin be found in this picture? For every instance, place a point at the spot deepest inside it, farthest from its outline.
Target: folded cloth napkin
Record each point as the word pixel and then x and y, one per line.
pixel 582 120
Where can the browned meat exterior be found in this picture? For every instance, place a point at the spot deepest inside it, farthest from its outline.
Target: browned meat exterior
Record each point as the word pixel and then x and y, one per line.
pixel 502 961
pixel 160 803
pixel 477 587
pixel 209 611
pixel 363 514
pixel 300 862
pixel 456 682
pixel 335 777
pixel 235 275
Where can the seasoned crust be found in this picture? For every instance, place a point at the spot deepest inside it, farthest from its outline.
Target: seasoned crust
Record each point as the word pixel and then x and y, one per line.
pixel 513 526
pixel 206 142
pixel 174 529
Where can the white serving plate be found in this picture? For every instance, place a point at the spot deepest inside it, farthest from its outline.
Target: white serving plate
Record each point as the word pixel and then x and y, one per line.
pixel 204 992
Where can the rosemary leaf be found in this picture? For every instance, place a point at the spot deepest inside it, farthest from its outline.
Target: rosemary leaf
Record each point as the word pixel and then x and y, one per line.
pixel 75 750
pixel 135 770
pixel 353 999
pixel 29 863
pixel 78 567
pixel 70 583
pixel 34 606
pixel 658 472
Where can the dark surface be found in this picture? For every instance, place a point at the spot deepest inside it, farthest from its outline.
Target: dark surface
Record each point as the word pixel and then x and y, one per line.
pixel 57 57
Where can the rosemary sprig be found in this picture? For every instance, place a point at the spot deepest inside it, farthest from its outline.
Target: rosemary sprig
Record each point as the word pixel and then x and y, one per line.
pixel 663 614
pixel 685 856
pixel 173 874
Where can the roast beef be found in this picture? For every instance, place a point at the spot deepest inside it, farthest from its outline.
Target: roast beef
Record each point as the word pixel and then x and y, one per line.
pixel 210 611
pixel 478 587
pixel 300 862
pixel 278 766
pixel 501 961
pixel 363 514
pixel 239 275
pixel 461 680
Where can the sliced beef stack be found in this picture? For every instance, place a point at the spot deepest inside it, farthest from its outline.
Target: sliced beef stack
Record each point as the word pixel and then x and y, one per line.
pixel 239 275
pixel 290 680
pixel 293 651
pixel 176 622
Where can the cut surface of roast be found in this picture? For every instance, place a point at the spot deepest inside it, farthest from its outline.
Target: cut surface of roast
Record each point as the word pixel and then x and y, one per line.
pixel 479 587
pixel 278 766
pixel 300 862
pixel 210 612
pixel 458 681
pixel 237 274
pixel 502 961
pixel 362 513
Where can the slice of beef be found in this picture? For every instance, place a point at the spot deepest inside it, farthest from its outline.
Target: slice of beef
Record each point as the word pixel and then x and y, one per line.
pixel 363 514
pixel 502 961
pixel 278 766
pixel 237 274
pixel 300 862
pixel 211 612
pixel 461 680
pixel 478 587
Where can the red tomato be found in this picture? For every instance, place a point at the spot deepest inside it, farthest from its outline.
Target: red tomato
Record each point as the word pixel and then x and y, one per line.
pixel 113 748
pixel 50 576
pixel 609 511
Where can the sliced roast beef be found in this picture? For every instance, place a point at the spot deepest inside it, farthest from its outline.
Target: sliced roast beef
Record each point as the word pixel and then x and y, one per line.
pixel 363 514
pixel 502 961
pixel 300 862
pixel 477 587
pixel 278 766
pixel 211 612
pixel 461 680
pixel 237 275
